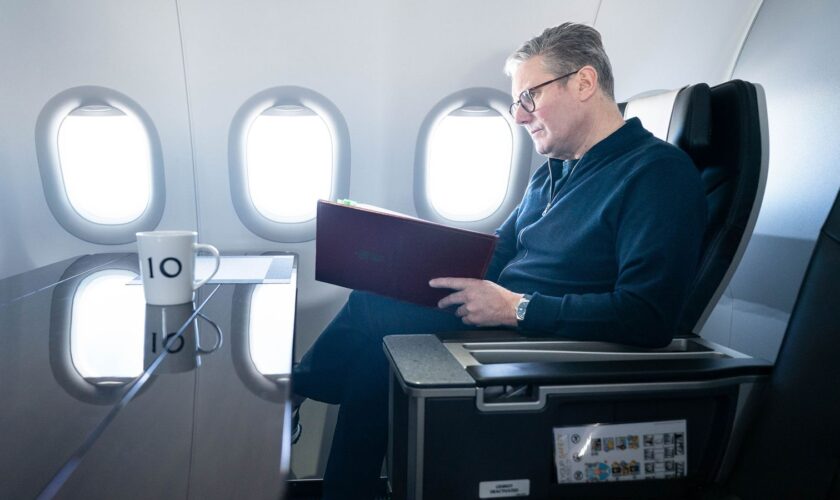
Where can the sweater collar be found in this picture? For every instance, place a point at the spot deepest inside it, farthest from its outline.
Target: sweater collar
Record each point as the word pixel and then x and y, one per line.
pixel 622 139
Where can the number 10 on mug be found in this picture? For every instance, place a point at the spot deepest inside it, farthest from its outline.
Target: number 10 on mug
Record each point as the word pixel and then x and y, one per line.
pixel 167 261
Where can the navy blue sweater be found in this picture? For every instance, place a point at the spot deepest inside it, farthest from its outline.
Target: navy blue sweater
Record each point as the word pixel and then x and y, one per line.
pixel 613 256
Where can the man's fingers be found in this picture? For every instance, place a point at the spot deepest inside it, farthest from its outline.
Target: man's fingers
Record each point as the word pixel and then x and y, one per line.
pixel 451 300
pixel 453 283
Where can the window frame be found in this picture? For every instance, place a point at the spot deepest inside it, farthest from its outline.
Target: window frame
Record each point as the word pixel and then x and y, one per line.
pixel 256 222
pixel 521 152
pixel 49 163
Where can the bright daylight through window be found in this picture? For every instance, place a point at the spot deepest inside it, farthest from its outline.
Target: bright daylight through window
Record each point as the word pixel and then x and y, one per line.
pixel 106 332
pixel 105 164
pixel 469 164
pixel 288 163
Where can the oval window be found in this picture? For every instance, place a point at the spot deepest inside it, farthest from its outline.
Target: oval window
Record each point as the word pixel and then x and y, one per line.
pixel 105 163
pixel 469 163
pixel 288 163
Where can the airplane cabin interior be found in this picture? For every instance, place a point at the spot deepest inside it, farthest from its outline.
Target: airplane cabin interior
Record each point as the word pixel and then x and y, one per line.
pixel 218 223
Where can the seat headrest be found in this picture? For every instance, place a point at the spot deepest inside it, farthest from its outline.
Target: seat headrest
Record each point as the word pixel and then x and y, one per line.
pixel 691 120
pixel 654 109
pixel 682 117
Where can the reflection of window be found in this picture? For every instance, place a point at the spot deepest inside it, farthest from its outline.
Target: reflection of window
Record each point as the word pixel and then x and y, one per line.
pixel 105 162
pixel 469 164
pixel 106 329
pixel 272 323
pixel 289 162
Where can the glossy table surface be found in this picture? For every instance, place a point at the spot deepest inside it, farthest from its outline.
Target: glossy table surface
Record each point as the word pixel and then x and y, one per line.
pixel 105 397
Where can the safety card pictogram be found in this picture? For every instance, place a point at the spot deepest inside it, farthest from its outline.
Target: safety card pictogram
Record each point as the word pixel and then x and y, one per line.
pixel 621 452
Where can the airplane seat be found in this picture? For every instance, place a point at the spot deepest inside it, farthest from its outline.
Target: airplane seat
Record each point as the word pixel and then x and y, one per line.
pixel 793 448
pixel 720 129
pixel 472 413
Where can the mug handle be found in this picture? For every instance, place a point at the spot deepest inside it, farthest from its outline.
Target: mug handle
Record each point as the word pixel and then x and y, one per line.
pixel 219 338
pixel 211 249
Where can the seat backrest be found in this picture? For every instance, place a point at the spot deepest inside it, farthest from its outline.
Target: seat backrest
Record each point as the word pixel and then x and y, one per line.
pixel 723 130
pixel 793 448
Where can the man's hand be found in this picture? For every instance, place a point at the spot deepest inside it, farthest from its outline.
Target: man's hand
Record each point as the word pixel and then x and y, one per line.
pixel 482 303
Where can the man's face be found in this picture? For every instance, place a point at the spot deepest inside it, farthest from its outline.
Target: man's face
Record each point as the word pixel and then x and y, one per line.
pixel 551 124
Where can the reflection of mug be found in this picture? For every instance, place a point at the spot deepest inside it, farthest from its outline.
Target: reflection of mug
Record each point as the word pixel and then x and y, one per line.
pixel 167 330
pixel 167 263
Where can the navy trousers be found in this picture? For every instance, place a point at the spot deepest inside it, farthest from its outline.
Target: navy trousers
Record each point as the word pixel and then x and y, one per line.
pixel 347 366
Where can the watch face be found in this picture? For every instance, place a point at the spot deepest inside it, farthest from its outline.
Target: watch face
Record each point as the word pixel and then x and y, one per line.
pixel 521 308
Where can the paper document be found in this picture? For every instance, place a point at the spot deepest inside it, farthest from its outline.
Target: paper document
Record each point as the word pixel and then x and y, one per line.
pixel 247 269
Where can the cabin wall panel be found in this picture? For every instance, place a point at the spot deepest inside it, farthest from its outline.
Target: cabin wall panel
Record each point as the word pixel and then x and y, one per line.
pixel 792 52
pixel 47 47
pixel 666 44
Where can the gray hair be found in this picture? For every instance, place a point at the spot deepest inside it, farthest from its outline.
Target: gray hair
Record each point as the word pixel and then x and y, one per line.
pixel 567 48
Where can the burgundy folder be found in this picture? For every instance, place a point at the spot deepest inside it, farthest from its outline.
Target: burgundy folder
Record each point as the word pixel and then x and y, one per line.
pixel 394 255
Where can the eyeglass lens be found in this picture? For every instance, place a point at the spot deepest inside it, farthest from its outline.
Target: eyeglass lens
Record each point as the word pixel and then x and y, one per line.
pixel 525 100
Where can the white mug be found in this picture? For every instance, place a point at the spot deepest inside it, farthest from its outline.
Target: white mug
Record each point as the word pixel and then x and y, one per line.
pixel 167 264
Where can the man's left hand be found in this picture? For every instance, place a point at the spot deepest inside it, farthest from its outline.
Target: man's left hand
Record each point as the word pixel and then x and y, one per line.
pixel 481 302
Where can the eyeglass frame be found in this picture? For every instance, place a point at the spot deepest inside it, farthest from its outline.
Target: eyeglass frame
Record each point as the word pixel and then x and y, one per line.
pixel 528 92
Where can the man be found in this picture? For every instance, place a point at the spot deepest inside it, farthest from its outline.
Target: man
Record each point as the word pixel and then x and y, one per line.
pixel 603 246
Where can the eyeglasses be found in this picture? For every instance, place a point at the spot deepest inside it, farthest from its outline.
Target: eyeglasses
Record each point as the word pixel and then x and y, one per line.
pixel 526 98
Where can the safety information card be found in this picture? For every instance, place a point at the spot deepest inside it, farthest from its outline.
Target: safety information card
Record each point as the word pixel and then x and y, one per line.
pixel 621 452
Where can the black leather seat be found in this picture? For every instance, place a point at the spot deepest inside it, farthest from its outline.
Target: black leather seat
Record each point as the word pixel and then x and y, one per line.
pixel 721 129
pixel 792 450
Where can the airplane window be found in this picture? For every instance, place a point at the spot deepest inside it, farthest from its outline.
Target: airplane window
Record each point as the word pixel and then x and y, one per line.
pixel 289 163
pixel 288 147
pixel 106 330
pixel 472 162
pixel 101 164
pixel 271 326
pixel 105 163
pixel 469 163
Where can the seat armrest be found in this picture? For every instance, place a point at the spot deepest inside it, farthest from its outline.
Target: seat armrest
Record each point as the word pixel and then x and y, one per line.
pixel 616 372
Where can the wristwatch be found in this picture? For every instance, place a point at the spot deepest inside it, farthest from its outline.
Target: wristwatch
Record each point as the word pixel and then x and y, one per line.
pixel 522 306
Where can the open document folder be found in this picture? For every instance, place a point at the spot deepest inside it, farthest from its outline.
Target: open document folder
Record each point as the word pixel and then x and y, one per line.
pixel 366 248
